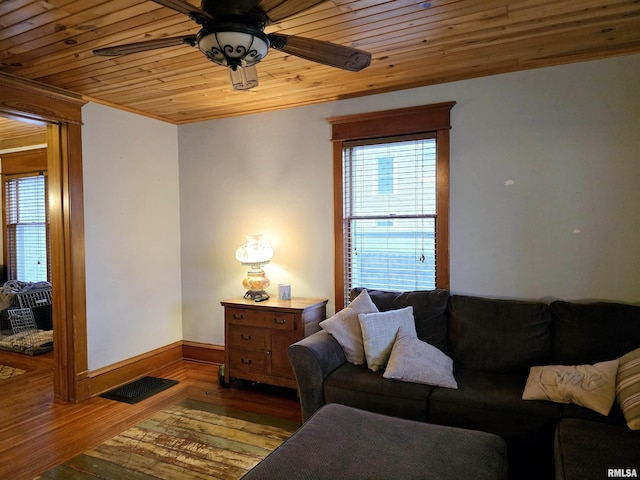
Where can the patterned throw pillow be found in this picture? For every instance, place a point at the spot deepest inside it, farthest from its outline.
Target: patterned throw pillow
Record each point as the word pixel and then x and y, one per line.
pixel 628 388
pixel 379 332
pixel 344 326
pixel 590 386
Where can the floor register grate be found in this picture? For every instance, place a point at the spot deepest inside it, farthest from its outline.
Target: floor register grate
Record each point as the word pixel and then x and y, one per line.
pixel 139 390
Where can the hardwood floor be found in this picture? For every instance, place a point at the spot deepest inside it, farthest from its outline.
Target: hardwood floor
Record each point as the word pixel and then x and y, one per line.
pixel 38 432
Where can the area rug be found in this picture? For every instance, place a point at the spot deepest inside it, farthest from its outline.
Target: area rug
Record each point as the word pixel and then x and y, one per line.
pixel 188 441
pixel 7 372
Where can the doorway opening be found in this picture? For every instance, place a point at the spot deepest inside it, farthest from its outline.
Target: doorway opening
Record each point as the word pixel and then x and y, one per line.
pixel 60 111
pixel 26 323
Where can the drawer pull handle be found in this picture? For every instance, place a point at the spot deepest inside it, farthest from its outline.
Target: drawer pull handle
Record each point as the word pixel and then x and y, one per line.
pixel 268 352
pixel 246 362
pixel 245 337
pixel 280 321
pixel 238 316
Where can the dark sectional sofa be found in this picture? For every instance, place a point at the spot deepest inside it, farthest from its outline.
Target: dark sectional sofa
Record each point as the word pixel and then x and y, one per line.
pixel 493 344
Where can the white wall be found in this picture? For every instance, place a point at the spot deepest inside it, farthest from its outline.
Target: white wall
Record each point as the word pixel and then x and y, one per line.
pixel 545 197
pixel 132 230
pixel 545 168
pixel 267 174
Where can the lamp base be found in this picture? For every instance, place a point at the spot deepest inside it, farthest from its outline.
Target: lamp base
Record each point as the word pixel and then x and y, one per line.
pixel 256 295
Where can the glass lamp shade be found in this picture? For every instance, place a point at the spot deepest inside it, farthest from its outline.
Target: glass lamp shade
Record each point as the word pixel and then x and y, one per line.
pixel 243 78
pixel 255 252
pixel 233 45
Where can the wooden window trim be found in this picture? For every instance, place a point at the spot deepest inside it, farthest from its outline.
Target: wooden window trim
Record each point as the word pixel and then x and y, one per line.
pixel 404 121
pixel 28 161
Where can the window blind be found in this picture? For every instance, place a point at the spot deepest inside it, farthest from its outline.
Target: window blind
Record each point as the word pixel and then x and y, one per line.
pixel 27 232
pixel 389 213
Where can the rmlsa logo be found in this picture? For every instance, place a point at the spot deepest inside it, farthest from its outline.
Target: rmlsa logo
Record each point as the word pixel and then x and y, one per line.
pixel 622 473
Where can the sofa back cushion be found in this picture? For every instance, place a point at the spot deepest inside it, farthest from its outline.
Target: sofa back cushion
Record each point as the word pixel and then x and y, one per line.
pixel 593 332
pixel 498 335
pixel 429 311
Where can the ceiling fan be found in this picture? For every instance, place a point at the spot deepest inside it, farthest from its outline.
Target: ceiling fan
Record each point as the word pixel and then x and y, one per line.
pixel 232 35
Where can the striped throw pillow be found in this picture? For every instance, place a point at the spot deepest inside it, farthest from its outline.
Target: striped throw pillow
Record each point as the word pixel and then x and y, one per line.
pixel 628 388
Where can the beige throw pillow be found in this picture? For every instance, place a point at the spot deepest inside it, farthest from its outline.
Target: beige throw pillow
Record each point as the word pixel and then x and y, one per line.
pixel 344 326
pixel 379 332
pixel 413 360
pixel 590 386
pixel 628 388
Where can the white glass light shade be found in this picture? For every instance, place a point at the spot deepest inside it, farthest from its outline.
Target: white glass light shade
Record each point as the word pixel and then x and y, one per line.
pixel 233 46
pixel 255 252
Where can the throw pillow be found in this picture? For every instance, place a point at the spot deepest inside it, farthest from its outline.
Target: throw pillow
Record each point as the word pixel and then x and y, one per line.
pixel 344 326
pixel 413 360
pixel 628 388
pixel 590 386
pixel 379 332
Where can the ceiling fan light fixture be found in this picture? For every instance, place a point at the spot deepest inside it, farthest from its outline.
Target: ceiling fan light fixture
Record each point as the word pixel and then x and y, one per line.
pixel 233 45
pixel 243 78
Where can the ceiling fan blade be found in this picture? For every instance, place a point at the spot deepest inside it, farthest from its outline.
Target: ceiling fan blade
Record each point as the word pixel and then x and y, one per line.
pixel 277 10
pixel 182 6
pixel 145 46
pixel 327 53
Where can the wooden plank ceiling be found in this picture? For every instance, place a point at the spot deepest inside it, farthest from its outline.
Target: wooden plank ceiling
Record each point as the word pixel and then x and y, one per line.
pixel 413 43
pixel 17 134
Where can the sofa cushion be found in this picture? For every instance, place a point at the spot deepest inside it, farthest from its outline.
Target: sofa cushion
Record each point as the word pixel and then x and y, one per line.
pixel 593 332
pixel 413 360
pixel 628 388
pixel 491 391
pixel 344 326
pixel 430 311
pixel 498 335
pixel 359 387
pixel 587 450
pixel 591 386
pixel 491 402
pixel 379 331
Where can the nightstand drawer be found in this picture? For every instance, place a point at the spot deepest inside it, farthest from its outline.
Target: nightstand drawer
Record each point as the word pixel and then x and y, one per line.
pixel 263 319
pixel 247 361
pixel 244 336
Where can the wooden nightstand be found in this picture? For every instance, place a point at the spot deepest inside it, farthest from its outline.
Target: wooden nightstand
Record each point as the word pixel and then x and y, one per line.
pixel 257 335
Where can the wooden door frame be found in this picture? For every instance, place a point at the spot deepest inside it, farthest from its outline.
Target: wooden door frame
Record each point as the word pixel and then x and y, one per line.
pixel 61 111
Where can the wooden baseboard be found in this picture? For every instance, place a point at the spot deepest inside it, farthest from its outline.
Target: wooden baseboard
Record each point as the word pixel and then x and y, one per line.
pixel 107 378
pixel 112 376
pixel 202 352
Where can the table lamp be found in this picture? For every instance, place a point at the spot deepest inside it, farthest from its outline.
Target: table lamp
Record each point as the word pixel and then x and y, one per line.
pixel 255 253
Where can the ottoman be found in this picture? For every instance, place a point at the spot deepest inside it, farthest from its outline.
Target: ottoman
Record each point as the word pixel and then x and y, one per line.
pixel 340 442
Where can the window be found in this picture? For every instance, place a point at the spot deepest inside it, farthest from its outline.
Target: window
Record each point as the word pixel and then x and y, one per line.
pixel 391 200
pixel 389 212
pixel 27 228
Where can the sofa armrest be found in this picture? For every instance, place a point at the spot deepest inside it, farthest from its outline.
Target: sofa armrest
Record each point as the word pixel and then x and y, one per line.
pixel 313 358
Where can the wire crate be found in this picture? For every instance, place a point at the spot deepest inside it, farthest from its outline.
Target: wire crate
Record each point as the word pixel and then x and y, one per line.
pixel 22 320
pixel 26 338
pixel 24 317
pixel 36 297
